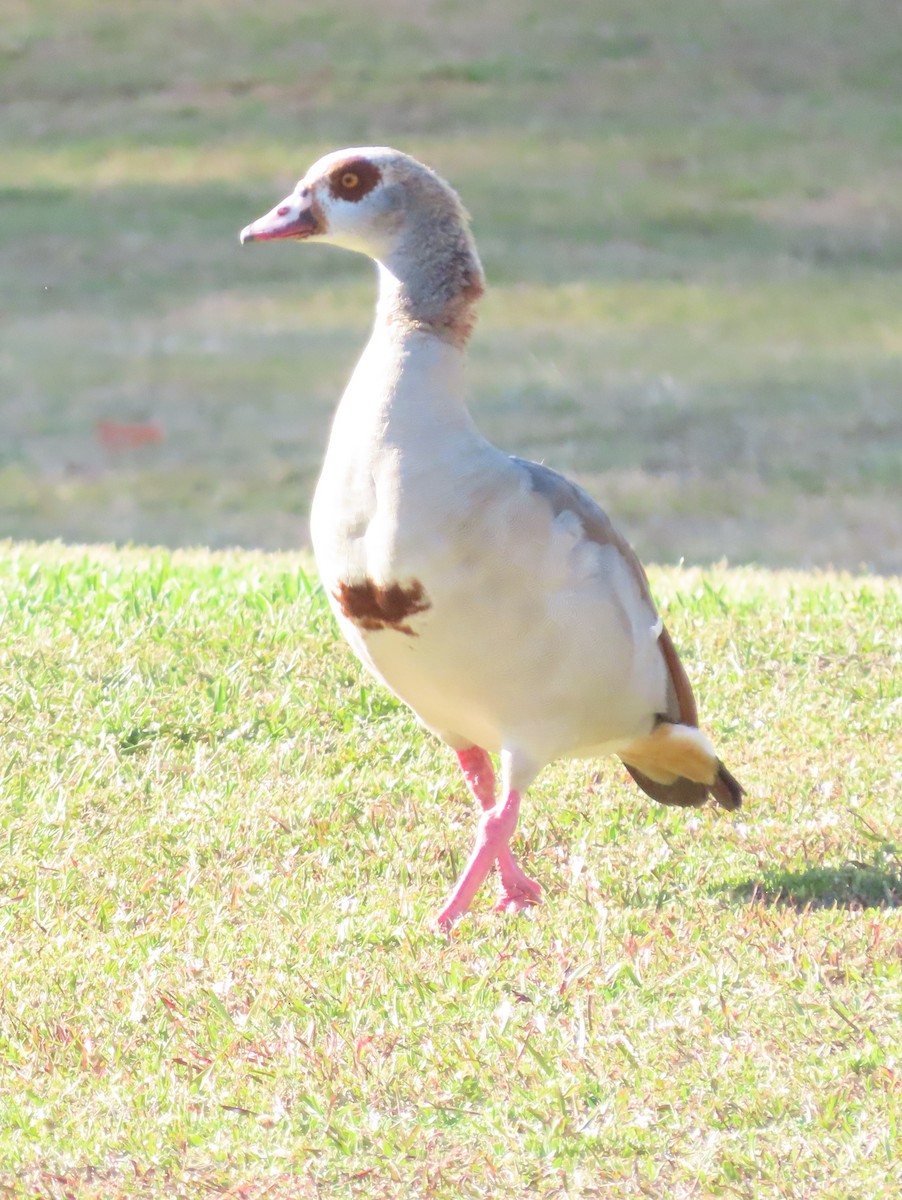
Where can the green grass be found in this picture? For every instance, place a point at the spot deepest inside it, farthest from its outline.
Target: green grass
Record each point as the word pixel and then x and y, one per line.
pixel 690 216
pixel 221 847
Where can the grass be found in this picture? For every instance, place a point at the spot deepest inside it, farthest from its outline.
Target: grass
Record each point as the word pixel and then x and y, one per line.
pixel 220 848
pixel 690 216
pixel 219 845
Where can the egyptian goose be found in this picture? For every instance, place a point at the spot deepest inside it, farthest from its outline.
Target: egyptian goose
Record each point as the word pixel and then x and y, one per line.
pixel 490 594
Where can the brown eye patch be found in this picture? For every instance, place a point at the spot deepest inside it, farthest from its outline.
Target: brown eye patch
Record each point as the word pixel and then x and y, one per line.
pixel 352 178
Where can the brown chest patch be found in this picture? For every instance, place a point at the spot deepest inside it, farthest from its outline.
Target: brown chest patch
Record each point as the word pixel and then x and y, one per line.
pixel 373 607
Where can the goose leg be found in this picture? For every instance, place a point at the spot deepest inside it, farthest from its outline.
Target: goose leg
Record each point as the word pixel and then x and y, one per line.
pixel 518 890
pixel 496 828
pixel 479 774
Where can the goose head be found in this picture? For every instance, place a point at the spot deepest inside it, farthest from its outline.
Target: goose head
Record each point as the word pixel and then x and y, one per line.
pixel 394 209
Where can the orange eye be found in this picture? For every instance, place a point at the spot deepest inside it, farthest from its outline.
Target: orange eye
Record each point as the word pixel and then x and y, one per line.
pixel 349 180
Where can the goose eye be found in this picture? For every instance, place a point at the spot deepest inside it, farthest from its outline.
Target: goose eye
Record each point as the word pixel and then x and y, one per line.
pixel 354 179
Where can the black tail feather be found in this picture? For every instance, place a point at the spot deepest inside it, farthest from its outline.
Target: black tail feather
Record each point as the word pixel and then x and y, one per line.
pixel 726 790
pixel 682 793
pixel 685 793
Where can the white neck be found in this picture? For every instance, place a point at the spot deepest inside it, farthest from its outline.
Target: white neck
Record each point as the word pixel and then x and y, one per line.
pixel 408 377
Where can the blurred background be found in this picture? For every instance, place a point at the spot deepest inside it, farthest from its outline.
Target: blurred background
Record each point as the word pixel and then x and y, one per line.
pixel 690 215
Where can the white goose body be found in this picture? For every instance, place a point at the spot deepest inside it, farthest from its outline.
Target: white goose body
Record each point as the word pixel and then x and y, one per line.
pixel 411 495
pixel 490 594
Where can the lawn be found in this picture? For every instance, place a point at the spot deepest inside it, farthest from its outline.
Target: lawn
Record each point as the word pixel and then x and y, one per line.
pixel 690 215
pixel 222 847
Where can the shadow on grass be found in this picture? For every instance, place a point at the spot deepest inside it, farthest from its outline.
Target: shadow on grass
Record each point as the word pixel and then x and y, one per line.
pixel 854 885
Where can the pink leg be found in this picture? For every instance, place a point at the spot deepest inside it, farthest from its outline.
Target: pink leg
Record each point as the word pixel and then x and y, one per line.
pixel 493 835
pixel 518 888
pixel 479 774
